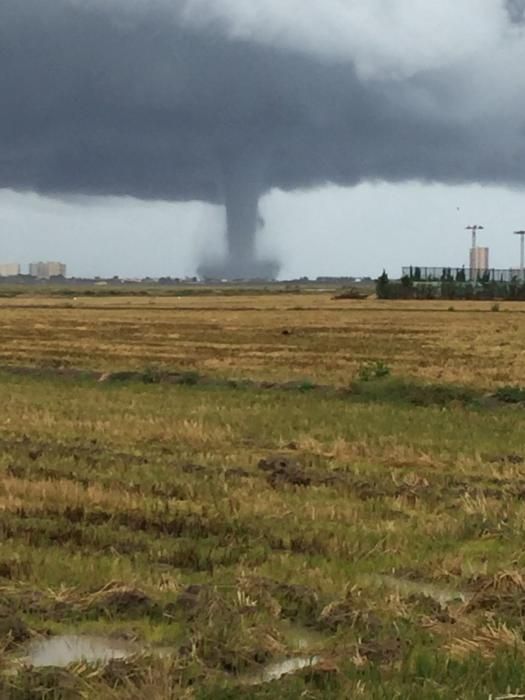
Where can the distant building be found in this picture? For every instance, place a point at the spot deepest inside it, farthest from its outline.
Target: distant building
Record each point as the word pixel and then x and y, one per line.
pixel 9 269
pixel 479 259
pixel 45 270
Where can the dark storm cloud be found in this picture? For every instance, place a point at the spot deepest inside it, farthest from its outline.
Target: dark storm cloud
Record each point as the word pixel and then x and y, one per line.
pixel 516 9
pixel 203 100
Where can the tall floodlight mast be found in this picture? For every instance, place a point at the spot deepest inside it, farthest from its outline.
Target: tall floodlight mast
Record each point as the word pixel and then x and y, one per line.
pixel 474 230
pixel 521 234
pixel 473 254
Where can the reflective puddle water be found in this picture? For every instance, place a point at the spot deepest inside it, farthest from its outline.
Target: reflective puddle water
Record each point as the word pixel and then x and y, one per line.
pixel 405 587
pixel 274 671
pixel 69 649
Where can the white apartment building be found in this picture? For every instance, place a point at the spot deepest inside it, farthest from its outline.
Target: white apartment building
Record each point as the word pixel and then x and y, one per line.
pixel 45 270
pixel 9 269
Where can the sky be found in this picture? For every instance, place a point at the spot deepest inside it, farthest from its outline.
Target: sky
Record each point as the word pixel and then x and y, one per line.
pixel 328 231
pixel 158 137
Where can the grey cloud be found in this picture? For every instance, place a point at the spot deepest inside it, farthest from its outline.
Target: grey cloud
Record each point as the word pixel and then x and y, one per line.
pixel 202 100
pixel 516 10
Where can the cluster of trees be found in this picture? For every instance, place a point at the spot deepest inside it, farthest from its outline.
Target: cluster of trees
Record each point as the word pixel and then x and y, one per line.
pixel 449 288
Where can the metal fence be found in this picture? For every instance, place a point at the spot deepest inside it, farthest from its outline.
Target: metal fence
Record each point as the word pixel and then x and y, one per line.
pixel 460 274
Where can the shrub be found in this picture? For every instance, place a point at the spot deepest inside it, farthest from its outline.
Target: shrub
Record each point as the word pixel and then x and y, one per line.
pixel 306 385
pixel 189 378
pixel 511 394
pixel 151 375
pixel 351 293
pixel 373 370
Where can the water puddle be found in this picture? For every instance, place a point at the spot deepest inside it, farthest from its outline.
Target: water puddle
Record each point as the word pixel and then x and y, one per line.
pixel 278 669
pixel 63 650
pixel 69 649
pixel 440 594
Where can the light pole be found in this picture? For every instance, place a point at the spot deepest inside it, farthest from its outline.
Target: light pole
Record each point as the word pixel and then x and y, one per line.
pixel 521 234
pixel 473 258
pixel 474 230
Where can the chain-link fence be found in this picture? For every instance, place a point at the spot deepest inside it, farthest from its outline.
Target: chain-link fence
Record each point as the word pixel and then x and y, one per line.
pixel 460 274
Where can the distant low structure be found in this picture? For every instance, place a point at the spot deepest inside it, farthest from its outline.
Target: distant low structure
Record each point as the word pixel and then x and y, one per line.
pixel 46 270
pixel 9 269
pixel 460 274
pixel 452 283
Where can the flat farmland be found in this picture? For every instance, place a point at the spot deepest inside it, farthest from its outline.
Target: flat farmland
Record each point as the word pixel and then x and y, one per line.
pixel 272 337
pixel 347 522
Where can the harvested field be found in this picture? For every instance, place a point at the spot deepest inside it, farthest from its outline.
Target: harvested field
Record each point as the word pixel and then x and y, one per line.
pixel 355 533
pixel 270 337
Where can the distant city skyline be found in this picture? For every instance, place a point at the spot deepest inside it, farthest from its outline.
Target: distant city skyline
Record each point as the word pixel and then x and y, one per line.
pixel 42 269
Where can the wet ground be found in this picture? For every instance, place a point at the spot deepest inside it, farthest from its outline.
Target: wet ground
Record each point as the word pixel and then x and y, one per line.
pixel 69 649
pixel 441 594
pixel 64 650
pixel 277 670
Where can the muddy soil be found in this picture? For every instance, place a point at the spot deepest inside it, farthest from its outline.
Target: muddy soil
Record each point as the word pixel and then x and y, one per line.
pixel 503 593
pixel 282 470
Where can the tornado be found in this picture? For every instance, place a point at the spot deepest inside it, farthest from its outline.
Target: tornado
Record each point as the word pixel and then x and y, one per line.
pixel 243 183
